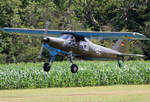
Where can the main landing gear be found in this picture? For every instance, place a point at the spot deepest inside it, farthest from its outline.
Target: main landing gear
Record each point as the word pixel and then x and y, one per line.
pixel 47 66
pixel 73 67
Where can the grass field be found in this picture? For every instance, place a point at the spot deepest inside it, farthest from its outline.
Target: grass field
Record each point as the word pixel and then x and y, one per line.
pixel 118 93
pixel 90 73
pixel 100 74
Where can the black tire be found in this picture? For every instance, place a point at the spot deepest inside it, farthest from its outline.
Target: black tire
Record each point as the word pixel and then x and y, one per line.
pixel 46 67
pixel 74 68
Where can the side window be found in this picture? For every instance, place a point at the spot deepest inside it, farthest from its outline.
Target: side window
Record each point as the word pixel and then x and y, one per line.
pixel 72 38
pixel 84 45
pixel 70 41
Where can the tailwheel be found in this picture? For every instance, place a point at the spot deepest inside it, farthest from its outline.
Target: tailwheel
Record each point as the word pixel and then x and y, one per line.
pixel 119 64
pixel 74 68
pixel 46 67
pixel 122 60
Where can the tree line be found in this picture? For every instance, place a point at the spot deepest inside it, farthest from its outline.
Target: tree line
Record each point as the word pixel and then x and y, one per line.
pixel 95 15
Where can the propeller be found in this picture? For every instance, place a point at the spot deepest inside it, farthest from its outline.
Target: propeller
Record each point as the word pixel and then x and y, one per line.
pixel 46 30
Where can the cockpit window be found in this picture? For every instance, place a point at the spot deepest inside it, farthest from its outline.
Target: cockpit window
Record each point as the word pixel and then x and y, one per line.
pixel 72 37
pixel 66 36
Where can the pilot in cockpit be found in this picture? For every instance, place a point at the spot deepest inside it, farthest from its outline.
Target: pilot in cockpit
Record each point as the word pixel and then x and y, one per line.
pixel 70 40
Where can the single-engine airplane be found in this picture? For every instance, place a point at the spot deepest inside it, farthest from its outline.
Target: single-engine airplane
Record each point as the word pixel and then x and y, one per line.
pixel 76 43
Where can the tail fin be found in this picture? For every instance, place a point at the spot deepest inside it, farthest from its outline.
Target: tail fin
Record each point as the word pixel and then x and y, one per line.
pixel 122 46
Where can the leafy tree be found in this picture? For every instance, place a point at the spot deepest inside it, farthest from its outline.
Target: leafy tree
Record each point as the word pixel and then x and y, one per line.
pixel 9 13
pixel 97 15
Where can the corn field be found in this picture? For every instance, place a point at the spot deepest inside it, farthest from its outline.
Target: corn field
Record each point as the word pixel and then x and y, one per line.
pixel 90 73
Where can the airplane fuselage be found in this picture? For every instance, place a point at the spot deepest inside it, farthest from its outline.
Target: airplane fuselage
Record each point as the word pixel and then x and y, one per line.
pixel 86 49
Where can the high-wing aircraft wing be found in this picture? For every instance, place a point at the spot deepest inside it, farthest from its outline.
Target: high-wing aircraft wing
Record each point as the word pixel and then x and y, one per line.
pixel 88 34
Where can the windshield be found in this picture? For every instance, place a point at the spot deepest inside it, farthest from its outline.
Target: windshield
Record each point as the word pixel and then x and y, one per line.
pixel 65 36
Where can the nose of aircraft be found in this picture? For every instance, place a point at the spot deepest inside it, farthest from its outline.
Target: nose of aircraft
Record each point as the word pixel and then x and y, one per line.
pixel 53 41
pixel 46 40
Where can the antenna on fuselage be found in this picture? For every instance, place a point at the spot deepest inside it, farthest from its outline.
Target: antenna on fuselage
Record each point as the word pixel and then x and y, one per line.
pixel 46 31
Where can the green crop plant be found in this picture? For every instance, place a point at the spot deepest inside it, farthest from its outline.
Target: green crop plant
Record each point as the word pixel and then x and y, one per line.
pixel 90 73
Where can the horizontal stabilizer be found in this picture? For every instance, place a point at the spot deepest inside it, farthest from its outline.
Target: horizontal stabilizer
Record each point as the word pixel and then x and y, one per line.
pixel 135 55
pixel 88 34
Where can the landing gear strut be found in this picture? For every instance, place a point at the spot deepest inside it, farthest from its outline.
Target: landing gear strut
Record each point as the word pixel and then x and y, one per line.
pixel 47 66
pixel 73 67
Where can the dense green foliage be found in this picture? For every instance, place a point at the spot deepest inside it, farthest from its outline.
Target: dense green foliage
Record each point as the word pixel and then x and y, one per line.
pixel 99 15
pixel 91 73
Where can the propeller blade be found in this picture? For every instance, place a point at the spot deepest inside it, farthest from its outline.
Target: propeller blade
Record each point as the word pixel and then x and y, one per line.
pixel 41 50
pixel 46 30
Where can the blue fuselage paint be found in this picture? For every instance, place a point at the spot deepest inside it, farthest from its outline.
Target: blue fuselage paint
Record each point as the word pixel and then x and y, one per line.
pixel 53 51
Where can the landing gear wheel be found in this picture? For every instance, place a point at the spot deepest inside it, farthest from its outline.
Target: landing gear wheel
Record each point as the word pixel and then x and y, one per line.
pixel 74 68
pixel 46 67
